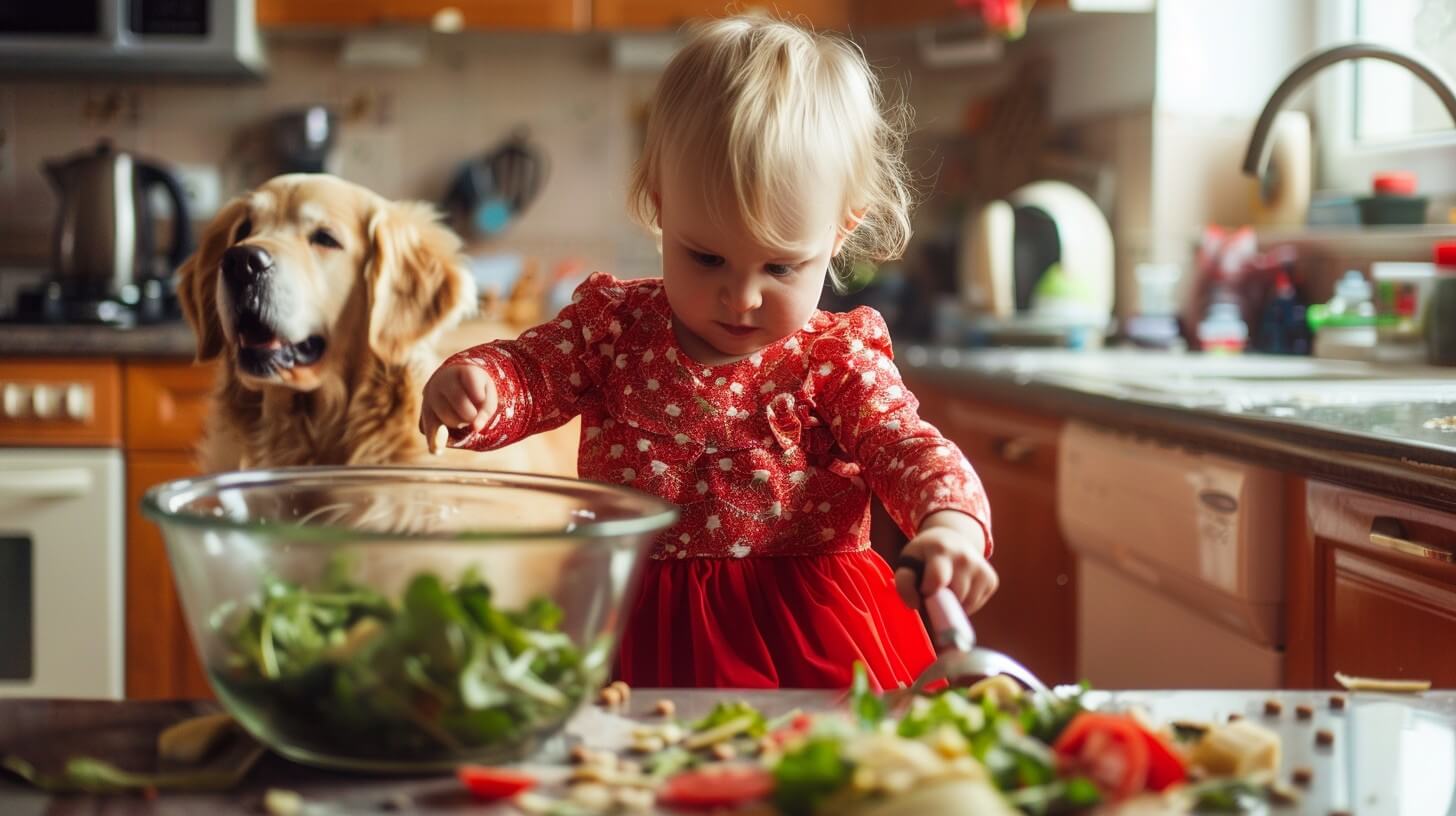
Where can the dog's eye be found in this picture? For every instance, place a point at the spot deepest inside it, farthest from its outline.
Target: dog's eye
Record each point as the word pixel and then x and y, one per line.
pixel 244 230
pixel 324 239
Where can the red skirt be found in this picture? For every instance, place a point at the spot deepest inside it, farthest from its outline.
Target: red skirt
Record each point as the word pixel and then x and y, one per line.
pixel 788 622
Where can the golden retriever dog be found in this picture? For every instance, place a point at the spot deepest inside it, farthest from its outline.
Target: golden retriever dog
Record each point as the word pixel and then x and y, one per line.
pixel 325 303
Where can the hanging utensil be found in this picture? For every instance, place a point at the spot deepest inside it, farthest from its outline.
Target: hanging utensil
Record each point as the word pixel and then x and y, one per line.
pixel 491 191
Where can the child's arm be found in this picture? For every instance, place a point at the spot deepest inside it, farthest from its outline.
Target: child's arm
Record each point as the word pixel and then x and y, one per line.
pixel 533 383
pixel 924 480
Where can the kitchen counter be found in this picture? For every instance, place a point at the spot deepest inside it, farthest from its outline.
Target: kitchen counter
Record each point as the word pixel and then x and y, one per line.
pixel 1358 424
pixel 171 340
pixel 1390 754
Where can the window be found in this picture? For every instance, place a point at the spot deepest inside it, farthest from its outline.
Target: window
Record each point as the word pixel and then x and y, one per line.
pixel 1376 116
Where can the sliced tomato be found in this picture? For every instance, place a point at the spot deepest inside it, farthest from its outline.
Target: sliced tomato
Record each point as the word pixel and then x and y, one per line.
pixel 716 786
pixel 1110 749
pixel 1166 767
pixel 490 784
pixel 799 726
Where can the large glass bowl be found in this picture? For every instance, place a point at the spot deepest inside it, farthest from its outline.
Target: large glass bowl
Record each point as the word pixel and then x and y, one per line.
pixel 403 619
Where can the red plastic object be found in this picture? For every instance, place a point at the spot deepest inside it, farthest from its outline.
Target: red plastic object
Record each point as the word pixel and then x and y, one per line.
pixel 1445 254
pixel 490 784
pixel 1395 182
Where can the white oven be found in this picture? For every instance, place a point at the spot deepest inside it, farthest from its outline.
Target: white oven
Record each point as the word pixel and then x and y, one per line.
pixel 62 572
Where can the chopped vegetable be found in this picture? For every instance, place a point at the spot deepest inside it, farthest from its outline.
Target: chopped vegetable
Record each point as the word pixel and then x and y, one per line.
pixel 716 787
pixel 489 784
pixel 1119 754
pixel 341 669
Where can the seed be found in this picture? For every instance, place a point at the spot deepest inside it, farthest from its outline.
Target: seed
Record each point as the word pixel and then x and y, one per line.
pixel 665 708
pixel 1303 775
pixel 1273 708
pixel 611 697
pixel 1304 712
pixel 1324 738
pixel 1337 702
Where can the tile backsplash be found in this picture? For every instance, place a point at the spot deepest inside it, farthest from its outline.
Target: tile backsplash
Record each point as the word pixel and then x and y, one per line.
pixel 403 132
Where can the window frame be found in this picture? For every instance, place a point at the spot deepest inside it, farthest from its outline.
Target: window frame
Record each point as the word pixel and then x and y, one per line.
pixel 1347 164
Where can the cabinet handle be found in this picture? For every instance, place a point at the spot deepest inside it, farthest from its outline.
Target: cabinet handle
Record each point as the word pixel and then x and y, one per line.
pixel 1389 533
pixel 1014 450
pixel 54 483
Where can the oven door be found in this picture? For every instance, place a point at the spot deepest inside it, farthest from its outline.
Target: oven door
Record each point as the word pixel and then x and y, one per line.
pixel 62 573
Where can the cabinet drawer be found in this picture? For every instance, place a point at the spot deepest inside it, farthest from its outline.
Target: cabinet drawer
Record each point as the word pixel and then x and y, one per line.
pixel 60 402
pixel 993 437
pixel 166 405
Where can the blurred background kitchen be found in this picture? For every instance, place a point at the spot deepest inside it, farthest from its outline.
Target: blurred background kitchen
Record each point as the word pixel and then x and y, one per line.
pixel 1085 187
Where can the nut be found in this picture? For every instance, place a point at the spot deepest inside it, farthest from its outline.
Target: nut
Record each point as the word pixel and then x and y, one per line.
pixel 1273 708
pixel 665 708
pixel 1235 717
pixel 1324 738
pixel 1337 702
pixel 724 751
pixel 1304 712
pixel 580 754
pixel 611 697
pixel 1303 775
pixel 623 689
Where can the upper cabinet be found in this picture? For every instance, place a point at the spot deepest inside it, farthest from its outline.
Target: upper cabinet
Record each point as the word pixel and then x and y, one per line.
pixel 657 15
pixel 484 15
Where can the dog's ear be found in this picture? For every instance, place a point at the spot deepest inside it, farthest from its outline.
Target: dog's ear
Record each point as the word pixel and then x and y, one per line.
pixel 197 280
pixel 417 279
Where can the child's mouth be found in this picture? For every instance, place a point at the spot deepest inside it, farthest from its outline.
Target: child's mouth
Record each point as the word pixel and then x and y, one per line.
pixel 737 330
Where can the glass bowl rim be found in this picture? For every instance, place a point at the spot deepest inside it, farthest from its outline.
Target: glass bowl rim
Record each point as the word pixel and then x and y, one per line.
pixel 159 503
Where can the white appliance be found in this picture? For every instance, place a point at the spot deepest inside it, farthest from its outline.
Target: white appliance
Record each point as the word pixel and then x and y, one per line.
pixel 62 573
pixel 1180 558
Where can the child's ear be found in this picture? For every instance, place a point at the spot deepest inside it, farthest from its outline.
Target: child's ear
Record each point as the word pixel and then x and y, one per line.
pixel 851 223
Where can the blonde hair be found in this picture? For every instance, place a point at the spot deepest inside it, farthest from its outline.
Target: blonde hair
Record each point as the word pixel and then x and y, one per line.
pixel 755 102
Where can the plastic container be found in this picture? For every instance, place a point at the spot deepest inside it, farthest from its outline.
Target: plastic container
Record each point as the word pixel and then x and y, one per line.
pixel 1441 309
pixel 1156 323
pixel 1401 294
pixel 1394 201
pixel 1223 330
pixel 1344 328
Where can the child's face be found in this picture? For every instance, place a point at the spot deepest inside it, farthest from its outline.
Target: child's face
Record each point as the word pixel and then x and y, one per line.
pixel 730 295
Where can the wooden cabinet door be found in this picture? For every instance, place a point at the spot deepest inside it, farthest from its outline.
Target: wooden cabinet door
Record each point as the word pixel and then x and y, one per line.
pixel 285 13
pixel 160 660
pixel 899 13
pixel 60 402
pixel 1032 617
pixel 648 15
pixel 534 15
pixel 167 405
pixel 1390 586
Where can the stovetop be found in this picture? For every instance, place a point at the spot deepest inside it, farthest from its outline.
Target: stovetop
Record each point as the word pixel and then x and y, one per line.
pixel 152 302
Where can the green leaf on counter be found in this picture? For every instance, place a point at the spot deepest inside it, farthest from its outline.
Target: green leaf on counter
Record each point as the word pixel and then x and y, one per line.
pixel 806 776
pixel 729 712
pixel 1227 796
pixel 90 775
pixel 868 707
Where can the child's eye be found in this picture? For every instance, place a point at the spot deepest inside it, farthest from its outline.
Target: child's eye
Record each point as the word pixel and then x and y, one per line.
pixel 780 270
pixel 705 259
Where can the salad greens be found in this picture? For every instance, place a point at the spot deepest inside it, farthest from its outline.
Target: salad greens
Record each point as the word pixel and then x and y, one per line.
pixel 340 669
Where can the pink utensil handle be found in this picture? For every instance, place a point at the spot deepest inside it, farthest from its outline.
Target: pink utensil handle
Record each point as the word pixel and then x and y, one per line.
pixel 949 626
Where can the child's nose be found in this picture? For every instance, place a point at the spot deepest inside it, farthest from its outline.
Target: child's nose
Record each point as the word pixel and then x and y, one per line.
pixel 741 297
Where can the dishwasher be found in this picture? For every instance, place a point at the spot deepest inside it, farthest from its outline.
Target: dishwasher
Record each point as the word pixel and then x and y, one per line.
pixel 1180 558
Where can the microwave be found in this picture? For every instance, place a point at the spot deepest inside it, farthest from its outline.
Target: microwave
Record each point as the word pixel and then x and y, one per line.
pixel 193 38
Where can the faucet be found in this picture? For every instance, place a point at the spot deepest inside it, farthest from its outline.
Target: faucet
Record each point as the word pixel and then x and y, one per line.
pixel 1256 160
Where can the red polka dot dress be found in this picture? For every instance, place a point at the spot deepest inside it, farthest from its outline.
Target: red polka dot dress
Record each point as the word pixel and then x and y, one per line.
pixel 767 579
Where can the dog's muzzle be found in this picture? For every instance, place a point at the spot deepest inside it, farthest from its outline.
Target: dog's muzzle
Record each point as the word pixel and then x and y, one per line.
pixel 261 351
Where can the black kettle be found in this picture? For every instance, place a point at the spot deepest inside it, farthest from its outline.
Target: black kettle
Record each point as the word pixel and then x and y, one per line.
pixel 103 246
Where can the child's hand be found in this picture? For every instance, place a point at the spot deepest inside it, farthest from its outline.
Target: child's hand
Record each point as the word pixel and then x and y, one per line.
pixel 952 547
pixel 456 397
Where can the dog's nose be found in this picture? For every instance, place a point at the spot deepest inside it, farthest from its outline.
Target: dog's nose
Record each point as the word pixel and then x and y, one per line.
pixel 243 265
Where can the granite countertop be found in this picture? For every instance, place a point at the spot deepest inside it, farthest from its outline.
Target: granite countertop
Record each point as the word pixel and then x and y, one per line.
pixel 1366 425
pixel 34 340
pixel 1387 754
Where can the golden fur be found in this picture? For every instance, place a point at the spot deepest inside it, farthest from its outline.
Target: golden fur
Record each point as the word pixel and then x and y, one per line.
pixel 380 296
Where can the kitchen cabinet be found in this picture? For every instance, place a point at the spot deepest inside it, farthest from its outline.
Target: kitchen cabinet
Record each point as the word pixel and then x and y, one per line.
pixel 617 15
pixel 533 15
pixel 903 13
pixel 1033 615
pixel 1387 572
pixel 165 406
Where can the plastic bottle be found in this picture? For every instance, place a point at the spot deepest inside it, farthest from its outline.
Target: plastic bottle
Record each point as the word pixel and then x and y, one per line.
pixel 1345 327
pixel 1223 330
pixel 1282 327
pixel 1441 311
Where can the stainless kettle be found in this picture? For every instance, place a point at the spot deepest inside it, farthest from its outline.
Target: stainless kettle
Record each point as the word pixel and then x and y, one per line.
pixel 104 235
